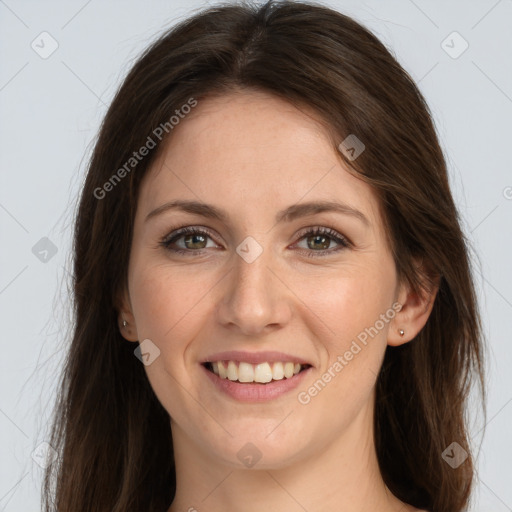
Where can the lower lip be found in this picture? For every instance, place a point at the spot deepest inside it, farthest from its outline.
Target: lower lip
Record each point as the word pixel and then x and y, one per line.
pixel 254 392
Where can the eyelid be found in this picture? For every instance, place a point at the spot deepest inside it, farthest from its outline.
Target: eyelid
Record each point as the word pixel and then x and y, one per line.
pixel 178 233
pixel 183 230
pixel 324 229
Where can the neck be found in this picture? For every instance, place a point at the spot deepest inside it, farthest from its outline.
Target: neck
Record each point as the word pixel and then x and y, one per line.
pixel 340 475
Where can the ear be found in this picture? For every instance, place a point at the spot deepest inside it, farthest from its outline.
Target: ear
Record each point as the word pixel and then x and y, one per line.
pixel 125 315
pixel 416 308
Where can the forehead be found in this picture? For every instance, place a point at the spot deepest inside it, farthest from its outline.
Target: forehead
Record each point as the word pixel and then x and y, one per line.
pixel 248 130
pixel 252 150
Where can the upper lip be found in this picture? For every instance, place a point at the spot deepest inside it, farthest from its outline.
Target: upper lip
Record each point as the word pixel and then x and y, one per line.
pixel 255 357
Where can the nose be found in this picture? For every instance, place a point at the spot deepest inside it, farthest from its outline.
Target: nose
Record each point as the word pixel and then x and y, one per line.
pixel 255 298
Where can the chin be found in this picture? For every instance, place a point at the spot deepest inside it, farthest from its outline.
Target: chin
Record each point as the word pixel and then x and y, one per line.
pixel 255 449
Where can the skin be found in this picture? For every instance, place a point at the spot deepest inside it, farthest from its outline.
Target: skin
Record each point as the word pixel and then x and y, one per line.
pixel 253 155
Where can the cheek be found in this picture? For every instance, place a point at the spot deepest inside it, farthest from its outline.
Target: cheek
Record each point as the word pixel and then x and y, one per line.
pixel 351 335
pixel 166 305
pixel 346 306
pixel 162 297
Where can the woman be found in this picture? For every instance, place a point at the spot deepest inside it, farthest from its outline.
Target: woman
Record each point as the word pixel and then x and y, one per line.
pixel 274 303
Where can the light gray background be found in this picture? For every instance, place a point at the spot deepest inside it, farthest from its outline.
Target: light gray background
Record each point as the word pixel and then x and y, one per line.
pixel 50 110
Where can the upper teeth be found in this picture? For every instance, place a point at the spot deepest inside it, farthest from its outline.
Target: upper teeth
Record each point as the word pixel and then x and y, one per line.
pixel 263 372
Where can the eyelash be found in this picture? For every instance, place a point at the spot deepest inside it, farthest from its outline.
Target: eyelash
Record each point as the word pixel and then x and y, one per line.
pixel 331 233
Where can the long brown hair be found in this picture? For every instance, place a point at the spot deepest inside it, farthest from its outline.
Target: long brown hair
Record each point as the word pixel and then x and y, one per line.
pixel 112 435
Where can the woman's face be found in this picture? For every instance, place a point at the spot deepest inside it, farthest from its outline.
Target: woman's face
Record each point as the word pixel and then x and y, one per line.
pixel 254 287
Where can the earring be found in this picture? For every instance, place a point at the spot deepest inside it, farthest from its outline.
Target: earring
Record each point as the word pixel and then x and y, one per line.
pixel 125 323
pixel 401 332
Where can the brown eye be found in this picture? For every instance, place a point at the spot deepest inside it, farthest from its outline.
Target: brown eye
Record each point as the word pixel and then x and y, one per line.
pixel 319 240
pixel 194 240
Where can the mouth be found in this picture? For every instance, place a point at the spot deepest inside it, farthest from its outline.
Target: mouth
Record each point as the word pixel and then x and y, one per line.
pixel 262 373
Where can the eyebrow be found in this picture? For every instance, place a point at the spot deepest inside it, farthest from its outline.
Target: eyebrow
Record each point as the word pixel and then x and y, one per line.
pixel 289 214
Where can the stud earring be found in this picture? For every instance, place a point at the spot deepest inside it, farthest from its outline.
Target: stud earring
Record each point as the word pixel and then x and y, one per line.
pixel 401 332
pixel 125 323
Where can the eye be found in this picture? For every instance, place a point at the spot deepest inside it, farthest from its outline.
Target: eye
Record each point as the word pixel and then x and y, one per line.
pixel 195 241
pixel 321 238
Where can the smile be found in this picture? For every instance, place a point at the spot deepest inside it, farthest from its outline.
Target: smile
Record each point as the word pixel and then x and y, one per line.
pixel 261 373
pixel 261 382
